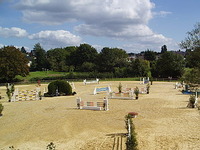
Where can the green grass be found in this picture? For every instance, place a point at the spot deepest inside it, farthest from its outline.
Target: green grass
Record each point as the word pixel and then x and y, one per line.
pixel 40 74
pixel 122 79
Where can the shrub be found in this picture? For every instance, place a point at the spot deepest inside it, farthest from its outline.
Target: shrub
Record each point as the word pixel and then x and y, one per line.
pixel 136 91
pixel 131 143
pixel 10 91
pixel 148 87
pixel 1 109
pixel 62 87
pixel 191 101
pixel 51 146
pixel 120 87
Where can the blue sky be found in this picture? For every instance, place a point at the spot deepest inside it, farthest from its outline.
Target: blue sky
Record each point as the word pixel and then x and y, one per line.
pixel 133 25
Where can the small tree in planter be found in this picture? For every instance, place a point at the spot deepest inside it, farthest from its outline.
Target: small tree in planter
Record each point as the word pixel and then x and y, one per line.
pixel 131 142
pixel 148 87
pixel 10 90
pixel 40 95
pixel 1 109
pixel 120 87
pixel 151 80
pixel 136 91
pixel 191 101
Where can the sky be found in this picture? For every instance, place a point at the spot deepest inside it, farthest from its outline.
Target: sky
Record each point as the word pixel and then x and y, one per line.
pixel 132 25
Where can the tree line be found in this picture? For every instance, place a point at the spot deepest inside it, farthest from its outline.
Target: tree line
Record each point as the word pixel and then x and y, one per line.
pixel 85 58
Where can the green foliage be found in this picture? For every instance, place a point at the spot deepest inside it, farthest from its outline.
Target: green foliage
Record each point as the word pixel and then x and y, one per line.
pixel 120 87
pixel 40 59
pixel 51 146
pixel 191 76
pixel 192 41
pixel 120 72
pixel 1 109
pixel 62 87
pixel 191 101
pixel 109 58
pixel 136 91
pixel 58 59
pixel 163 49
pixel 170 65
pixel 148 88
pixel 12 148
pixel 83 53
pixel 193 58
pixel 139 68
pixel 88 67
pixel 23 50
pixel 10 90
pixel 12 63
pixel 131 142
pixel 150 55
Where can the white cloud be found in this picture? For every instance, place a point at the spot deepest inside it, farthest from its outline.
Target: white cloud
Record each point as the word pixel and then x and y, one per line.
pixel 53 39
pixel 89 11
pixel 162 13
pixel 1 45
pixel 125 20
pixel 12 32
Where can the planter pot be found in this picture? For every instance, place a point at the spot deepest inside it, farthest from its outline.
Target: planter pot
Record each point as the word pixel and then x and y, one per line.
pixel 133 114
pixel 136 97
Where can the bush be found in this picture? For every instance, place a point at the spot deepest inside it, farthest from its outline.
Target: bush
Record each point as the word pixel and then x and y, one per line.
pixel 191 101
pixel 136 91
pixel 1 109
pixel 59 87
pixel 131 142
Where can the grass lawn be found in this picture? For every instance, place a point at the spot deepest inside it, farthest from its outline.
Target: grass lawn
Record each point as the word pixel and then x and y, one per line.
pixel 41 74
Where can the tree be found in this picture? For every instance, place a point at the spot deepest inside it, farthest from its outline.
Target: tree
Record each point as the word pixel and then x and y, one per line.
pixel 139 68
pixel 191 76
pixel 193 58
pixel 163 49
pixel 170 64
pixel 110 58
pixel 57 59
pixel 150 55
pixel 40 59
pixel 23 50
pixel 84 53
pixel 192 41
pixel 192 46
pixel 12 63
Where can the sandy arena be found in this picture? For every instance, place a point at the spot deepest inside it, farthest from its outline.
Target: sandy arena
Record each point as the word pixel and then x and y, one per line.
pixel 163 123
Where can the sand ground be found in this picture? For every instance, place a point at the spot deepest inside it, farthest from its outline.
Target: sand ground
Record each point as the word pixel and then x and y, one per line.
pixel 163 123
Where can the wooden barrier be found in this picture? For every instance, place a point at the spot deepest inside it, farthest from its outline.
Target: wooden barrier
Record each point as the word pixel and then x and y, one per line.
pixel 143 90
pixel 103 105
pixel 102 89
pixel 90 81
pixel 127 95
pixel 25 95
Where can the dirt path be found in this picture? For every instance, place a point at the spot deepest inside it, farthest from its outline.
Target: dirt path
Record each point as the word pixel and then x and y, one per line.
pixel 163 122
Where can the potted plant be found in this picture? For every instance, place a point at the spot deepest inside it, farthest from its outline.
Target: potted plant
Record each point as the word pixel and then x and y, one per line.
pixel 40 95
pixel 120 87
pixel 151 80
pixel 1 109
pixel 148 87
pixel 136 91
pixel 10 90
pixel 191 101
